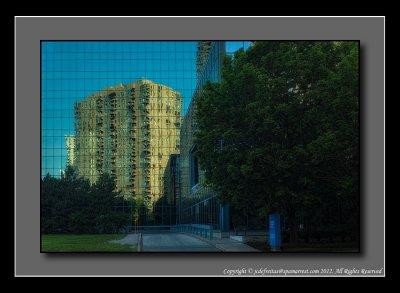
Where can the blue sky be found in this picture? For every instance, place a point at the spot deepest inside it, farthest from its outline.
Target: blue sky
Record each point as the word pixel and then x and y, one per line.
pixel 72 71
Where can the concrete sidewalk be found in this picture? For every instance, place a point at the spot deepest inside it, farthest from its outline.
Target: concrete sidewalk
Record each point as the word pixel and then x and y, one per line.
pixel 131 239
pixel 175 242
pixel 227 244
pixel 182 242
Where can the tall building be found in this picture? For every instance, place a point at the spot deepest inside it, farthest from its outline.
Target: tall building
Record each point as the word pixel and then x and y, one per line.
pixel 128 131
pixel 197 202
pixel 171 180
pixel 70 145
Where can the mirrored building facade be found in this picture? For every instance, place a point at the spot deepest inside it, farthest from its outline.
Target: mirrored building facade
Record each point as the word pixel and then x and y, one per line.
pixel 197 202
pixel 128 131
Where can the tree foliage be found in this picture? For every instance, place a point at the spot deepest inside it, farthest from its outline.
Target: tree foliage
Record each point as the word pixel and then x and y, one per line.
pixel 280 132
pixel 71 205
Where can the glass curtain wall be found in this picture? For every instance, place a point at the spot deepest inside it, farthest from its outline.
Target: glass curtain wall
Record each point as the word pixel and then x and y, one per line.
pixel 198 203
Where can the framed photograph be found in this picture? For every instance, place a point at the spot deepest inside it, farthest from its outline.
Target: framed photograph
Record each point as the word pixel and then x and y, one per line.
pixel 222 146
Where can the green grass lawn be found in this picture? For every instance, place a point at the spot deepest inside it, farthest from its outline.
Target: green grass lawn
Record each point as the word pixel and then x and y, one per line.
pixel 84 243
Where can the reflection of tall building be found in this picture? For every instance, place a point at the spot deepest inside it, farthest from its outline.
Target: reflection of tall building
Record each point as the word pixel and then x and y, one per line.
pixel 171 180
pixel 128 131
pixel 70 144
pixel 197 202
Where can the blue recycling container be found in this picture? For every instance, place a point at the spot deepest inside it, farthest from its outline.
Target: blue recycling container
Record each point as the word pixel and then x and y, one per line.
pixel 274 232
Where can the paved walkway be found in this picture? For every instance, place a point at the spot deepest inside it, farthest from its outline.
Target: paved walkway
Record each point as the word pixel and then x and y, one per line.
pixel 175 242
pixel 179 242
pixel 229 245
pixel 131 239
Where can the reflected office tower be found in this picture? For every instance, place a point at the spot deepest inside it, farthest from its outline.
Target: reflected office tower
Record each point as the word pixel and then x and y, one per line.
pixel 197 202
pixel 70 145
pixel 128 131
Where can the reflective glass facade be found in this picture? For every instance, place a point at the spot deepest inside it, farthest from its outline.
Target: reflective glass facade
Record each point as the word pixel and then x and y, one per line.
pixel 94 118
pixel 197 202
pixel 72 72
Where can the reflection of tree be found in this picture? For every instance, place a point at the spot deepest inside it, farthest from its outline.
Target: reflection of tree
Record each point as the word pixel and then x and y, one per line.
pixel 71 205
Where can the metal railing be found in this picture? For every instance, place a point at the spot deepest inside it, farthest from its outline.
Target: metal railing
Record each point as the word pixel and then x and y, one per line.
pixel 147 229
pixel 205 231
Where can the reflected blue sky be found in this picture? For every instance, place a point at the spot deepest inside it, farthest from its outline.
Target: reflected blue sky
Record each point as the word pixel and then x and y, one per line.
pixel 72 71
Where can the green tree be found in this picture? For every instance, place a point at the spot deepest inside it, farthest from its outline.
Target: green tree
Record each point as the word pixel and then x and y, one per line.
pixel 280 132
pixel 104 198
pixel 71 205
pixel 52 220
